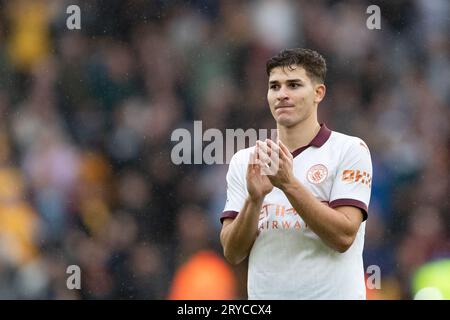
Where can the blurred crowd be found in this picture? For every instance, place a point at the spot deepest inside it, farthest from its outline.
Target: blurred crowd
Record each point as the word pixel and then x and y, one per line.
pixel 86 176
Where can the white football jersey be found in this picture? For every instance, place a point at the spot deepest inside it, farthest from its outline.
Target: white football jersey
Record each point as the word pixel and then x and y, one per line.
pixel 288 260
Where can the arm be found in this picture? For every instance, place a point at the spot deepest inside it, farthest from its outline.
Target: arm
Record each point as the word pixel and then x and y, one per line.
pixel 336 227
pixel 238 235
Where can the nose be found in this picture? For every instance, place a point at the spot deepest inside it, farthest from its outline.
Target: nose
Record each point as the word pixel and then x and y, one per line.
pixel 282 94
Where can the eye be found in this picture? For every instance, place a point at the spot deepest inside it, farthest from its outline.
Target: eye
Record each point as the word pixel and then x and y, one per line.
pixel 274 86
pixel 295 85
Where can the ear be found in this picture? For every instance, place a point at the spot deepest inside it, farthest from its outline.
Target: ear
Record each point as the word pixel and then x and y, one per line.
pixel 319 91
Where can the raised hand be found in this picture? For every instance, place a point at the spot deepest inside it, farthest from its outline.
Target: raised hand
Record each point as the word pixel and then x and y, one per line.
pixel 278 157
pixel 258 184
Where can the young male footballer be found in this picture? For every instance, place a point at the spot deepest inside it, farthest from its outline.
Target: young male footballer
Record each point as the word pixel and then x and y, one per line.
pixel 301 227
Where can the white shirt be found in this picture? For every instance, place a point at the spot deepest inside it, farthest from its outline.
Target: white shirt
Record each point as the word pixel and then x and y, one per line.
pixel 288 260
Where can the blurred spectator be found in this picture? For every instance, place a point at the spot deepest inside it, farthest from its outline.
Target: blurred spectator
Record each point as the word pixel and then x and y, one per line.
pixel 29 40
pixel 204 277
pixel 432 281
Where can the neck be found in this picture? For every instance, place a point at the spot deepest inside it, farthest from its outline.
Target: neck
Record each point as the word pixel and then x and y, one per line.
pixel 299 135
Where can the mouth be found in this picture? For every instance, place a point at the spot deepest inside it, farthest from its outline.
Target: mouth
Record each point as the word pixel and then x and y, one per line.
pixel 284 106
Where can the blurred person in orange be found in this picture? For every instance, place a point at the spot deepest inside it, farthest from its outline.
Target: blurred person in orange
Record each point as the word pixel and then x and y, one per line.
pixel 205 276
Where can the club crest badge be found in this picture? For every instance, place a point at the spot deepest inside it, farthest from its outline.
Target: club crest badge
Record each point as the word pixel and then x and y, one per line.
pixel 317 173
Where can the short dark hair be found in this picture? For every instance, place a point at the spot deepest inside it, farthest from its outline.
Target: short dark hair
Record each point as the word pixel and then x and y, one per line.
pixel 312 61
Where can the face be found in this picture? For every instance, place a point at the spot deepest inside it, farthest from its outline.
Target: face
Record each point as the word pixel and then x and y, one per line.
pixel 292 95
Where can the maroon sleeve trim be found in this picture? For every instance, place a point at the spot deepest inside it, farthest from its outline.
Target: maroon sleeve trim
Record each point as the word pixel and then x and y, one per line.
pixel 350 202
pixel 228 214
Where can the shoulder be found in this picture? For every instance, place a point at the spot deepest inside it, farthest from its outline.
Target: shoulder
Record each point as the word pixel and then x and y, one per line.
pixel 239 161
pixel 347 143
pixel 242 156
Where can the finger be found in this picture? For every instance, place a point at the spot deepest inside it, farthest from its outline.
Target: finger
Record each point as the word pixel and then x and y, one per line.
pixel 253 167
pixel 273 146
pixel 269 159
pixel 254 157
pixel 255 154
pixel 263 147
pixel 267 148
pixel 284 149
pixel 279 154
pixel 274 156
pixel 283 146
pixel 263 158
pixel 257 148
pixel 251 161
pixel 257 167
pixel 274 152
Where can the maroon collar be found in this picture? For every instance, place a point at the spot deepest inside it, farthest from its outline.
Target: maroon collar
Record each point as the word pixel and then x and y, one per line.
pixel 318 141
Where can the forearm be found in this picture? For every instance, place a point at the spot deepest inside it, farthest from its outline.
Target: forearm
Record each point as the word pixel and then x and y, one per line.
pixel 332 226
pixel 238 237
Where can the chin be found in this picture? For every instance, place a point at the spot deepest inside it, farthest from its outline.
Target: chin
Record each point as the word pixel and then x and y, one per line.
pixel 286 121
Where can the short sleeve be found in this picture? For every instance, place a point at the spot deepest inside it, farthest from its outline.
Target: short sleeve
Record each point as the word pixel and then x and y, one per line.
pixel 236 187
pixel 353 183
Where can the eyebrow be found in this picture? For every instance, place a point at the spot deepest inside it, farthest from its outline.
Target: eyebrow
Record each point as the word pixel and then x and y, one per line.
pixel 288 81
